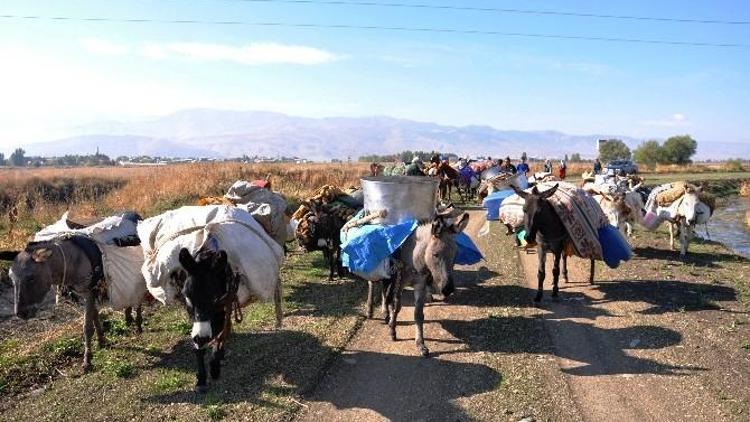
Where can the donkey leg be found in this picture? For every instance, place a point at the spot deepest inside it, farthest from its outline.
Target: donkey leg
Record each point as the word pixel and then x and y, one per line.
pixel 671 236
pixel 129 316
pixel 331 261
pixel 368 306
pixel 685 235
pixel 565 267
pixel 591 272
pixel 395 308
pixel 214 364
pixel 419 294
pixel 200 385
pixel 139 318
pixel 540 273
pixel 556 275
pixel 277 299
pixel 98 326
pixel 386 296
pixel 88 331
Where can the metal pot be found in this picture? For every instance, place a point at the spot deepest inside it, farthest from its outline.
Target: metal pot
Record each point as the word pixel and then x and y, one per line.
pixel 404 197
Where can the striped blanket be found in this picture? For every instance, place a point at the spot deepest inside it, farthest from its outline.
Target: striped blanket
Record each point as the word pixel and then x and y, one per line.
pixel 579 212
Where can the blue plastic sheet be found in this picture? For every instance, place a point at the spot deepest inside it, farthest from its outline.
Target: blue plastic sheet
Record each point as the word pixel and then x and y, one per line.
pixel 614 246
pixel 494 201
pixel 468 253
pixel 364 248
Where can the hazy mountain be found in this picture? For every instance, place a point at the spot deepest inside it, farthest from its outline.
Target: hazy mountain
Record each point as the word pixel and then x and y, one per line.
pixel 220 133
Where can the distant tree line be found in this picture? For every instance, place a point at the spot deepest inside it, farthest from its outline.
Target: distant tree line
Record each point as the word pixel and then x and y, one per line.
pixel 675 150
pixel 19 159
pixel 406 156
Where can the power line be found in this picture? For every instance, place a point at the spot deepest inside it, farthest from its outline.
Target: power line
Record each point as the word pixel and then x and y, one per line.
pixel 378 28
pixel 502 10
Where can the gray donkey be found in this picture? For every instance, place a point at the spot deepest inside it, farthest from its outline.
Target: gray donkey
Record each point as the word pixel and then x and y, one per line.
pixel 71 265
pixel 425 260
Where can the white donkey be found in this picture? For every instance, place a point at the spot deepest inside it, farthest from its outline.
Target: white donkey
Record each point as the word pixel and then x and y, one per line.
pixel 623 205
pixel 683 215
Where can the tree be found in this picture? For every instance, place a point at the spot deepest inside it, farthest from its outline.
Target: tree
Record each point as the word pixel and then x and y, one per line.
pixel 679 149
pixel 2 159
pixel 649 153
pixel 575 158
pixel 614 149
pixel 18 158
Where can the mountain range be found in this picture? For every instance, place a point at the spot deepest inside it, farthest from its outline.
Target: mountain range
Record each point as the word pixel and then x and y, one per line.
pixel 214 133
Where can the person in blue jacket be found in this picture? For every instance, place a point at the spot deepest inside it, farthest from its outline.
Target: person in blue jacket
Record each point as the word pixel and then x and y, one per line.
pixel 522 167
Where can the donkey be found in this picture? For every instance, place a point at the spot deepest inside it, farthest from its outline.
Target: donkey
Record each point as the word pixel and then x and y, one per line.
pixel 73 266
pixel 326 227
pixel 425 260
pixel 686 213
pixel 209 290
pixel 544 228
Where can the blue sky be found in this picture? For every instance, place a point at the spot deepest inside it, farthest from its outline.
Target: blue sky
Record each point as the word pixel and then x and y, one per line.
pixel 58 75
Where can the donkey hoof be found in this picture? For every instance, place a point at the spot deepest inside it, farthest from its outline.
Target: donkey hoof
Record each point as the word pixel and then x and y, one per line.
pixel 538 298
pixel 201 389
pixel 393 336
pixel 424 351
pixel 86 367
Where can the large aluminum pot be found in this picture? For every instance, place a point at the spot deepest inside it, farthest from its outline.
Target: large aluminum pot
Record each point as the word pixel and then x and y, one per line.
pixel 404 197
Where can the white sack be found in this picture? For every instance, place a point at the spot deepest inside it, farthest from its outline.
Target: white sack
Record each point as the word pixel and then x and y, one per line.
pixel 251 251
pixel 122 271
pixel 105 231
pixel 265 206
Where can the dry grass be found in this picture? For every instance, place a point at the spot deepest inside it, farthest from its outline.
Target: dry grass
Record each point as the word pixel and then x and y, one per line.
pixel 40 196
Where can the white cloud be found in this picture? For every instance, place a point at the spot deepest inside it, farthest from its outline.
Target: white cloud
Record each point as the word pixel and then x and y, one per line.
pixel 252 54
pixel 109 48
pixel 675 120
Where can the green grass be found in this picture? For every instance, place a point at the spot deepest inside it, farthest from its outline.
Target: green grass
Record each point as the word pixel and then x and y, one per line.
pixel 265 372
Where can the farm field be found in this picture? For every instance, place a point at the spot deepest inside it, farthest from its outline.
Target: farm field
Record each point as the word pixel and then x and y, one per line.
pixel 676 332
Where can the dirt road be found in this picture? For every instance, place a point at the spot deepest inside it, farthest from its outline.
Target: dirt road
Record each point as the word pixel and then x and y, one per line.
pixel 638 349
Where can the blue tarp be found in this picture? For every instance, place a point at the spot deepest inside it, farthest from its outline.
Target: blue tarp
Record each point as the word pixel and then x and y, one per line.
pixel 468 253
pixel 494 201
pixel 363 248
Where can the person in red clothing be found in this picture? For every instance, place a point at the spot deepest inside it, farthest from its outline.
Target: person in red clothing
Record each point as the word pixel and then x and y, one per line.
pixel 563 167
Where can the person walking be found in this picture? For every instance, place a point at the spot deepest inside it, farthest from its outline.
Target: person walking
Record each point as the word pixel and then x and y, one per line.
pixel 563 168
pixel 415 168
pixel 597 166
pixel 547 166
pixel 522 167
pixel 507 166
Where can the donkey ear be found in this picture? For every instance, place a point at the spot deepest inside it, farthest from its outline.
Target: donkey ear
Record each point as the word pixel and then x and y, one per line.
pixel 535 190
pixel 8 255
pixel 549 192
pixel 437 227
pixel 187 261
pixel 519 192
pixel 41 255
pixel 221 259
pixel 461 225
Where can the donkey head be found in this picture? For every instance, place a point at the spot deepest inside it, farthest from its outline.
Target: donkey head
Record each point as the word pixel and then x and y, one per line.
pixel 205 290
pixel 32 275
pixel 691 207
pixel 536 209
pixel 441 248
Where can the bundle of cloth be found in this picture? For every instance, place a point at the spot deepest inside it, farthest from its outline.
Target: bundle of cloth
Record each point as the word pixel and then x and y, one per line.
pixel 394 169
pixel 664 200
pixel 329 199
pixel 253 254
pixel 590 233
pixel 666 195
pixel 266 206
pixel 366 248
pixel 113 248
